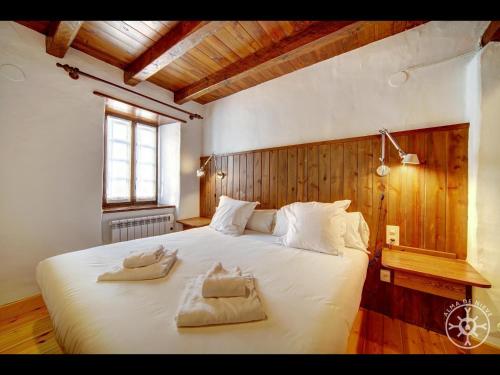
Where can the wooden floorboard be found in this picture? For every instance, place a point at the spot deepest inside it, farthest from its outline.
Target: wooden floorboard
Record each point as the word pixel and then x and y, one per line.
pixel 372 333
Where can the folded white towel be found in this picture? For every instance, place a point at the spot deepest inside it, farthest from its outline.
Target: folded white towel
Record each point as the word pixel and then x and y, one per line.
pixel 219 282
pixel 197 311
pixel 153 271
pixel 143 258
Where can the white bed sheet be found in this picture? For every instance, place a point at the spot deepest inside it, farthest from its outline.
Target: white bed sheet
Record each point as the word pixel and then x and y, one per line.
pixel 310 298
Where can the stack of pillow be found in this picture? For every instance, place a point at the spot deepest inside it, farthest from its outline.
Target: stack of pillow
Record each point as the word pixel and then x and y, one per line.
pixel 322 227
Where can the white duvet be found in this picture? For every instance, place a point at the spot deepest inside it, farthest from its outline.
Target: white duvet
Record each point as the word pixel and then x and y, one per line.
pixel 310 299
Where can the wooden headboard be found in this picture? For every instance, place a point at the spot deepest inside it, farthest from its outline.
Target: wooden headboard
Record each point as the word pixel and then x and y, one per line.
pixel 427 201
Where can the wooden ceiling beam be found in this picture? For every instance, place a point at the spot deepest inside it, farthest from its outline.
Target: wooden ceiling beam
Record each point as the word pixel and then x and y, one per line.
pixel 492 33
pixel 60 35
pixel 183 37
pixel 267 55
pixel 350 36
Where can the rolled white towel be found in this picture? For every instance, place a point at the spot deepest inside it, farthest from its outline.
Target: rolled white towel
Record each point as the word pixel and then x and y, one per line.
pixel 145 257
pixel 219 282
pixel 153 271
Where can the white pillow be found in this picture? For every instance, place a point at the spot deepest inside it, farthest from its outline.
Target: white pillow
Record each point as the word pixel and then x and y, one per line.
pixel 231 215
pixel 262 221
pixel 315 226
pixel 357 234
pixel 281 225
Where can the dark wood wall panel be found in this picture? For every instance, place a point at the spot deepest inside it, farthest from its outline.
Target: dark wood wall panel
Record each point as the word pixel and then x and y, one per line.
pixel 428 202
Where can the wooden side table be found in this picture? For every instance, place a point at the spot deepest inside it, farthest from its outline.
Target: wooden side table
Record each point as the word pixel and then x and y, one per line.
pixel 445 277
pixel 194 222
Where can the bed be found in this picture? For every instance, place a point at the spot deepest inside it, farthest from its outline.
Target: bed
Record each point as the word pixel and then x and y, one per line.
pixel 310 298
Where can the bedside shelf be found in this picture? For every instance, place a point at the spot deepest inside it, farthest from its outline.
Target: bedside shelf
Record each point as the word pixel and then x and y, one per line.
pixel 450 278
pixel 194 222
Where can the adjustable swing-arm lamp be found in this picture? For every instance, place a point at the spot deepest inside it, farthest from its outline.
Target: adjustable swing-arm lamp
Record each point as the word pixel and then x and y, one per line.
pixel 200 172
pixel 383 169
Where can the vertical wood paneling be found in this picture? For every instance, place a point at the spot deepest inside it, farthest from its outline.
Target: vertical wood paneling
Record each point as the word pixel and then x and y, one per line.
pixel 224 180
pixel 282 176
pixel 243 177
pixel 435 191
pixel 203 192
pixel 324 173
pixel 236 177
pixel 265 180
pixel 379 218
pixel 365 179
pixel 302 174
pixel 230 176
pixel 312 173
pixel 336 171
pixel 428 202
pixel 456 194
pixel 218 182
pixel 415 193
pixel 396 198
pixel 292 176
pixel 273 179
pixel 351 174
pixel 257 177
pixel 213 191
pixel 249 191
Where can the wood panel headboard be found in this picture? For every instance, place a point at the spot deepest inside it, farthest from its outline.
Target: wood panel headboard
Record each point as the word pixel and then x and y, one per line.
pixel 427 201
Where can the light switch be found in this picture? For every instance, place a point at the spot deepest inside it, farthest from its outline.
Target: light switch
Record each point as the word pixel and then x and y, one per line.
pixel 385 275
pixel 392 234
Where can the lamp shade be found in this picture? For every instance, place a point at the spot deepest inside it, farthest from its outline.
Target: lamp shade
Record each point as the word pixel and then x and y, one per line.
pixel 410 159
pixel 200 172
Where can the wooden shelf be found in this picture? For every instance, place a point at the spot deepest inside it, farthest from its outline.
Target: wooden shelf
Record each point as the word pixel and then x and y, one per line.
pixel 451 278
pixel 194 222
pixel 454 270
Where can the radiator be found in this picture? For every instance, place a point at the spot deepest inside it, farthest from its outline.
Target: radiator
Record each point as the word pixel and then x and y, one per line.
pixel 139 227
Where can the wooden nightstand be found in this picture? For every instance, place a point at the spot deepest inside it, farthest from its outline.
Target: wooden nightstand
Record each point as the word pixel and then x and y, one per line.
pixel 441 276
pixel 194 222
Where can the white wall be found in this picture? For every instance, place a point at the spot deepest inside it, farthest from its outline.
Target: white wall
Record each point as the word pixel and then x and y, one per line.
pixel 51 156
pixel 484 208
pixel 348 95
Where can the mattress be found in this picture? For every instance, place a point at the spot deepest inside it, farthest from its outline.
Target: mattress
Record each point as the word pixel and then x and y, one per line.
pixel 310 298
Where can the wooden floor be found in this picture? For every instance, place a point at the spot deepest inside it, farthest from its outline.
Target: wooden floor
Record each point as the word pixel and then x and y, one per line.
pixel 31 332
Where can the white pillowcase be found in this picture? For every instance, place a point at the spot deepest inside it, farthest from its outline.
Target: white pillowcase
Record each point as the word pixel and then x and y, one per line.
pixel 262 221
pixel 281 225
pixel 357 234
pixel 316 226
pixel 231 215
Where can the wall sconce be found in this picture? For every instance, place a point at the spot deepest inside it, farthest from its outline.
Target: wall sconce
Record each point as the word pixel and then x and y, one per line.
pixel 383 169
pixel 200 172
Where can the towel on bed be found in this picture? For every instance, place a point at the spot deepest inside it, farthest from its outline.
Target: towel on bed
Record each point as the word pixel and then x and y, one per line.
pixel 153 271
pixel 143 258
pixel 197 311
pixel 219 282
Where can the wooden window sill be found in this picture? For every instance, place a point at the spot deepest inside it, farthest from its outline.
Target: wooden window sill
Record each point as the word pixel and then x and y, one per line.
pixel 107 210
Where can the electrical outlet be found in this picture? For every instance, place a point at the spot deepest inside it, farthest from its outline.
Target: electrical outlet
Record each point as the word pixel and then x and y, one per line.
pixel 385 275
pixel 392 234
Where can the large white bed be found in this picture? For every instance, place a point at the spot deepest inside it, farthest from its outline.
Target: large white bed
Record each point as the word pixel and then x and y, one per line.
pixel 310 298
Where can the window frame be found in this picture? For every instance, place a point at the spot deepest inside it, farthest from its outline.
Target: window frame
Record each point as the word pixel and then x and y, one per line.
pixel 134 122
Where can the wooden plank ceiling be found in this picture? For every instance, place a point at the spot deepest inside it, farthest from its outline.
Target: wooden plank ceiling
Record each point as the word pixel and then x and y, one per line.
pixel 208 60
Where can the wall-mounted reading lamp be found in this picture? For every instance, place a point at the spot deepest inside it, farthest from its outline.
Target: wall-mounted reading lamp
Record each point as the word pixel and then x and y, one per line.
pixel 201 171
pixel 383 169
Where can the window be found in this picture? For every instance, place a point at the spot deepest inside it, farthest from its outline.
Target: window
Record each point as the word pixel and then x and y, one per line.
pixel 130 171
